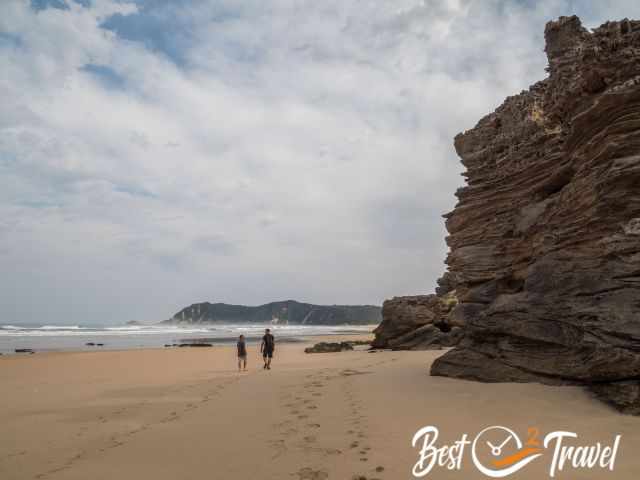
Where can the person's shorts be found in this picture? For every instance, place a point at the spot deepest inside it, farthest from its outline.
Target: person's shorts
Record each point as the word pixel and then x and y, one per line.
pixel 242 357
pixel 267 353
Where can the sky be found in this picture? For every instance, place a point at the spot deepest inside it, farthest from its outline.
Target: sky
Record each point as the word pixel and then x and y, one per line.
pixel 159 153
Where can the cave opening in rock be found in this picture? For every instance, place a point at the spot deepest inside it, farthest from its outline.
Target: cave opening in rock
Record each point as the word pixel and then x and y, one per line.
pixel 442 326
pixel 510 285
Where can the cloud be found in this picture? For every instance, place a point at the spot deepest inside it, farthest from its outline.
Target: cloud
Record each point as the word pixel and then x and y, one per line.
pixel 158 153
pixel 214 244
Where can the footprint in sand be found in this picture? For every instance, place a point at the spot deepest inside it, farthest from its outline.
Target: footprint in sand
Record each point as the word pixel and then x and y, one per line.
pixel 349 372
pixel 286 423
pixel 307 473
pixel 279 446
pixel 332 451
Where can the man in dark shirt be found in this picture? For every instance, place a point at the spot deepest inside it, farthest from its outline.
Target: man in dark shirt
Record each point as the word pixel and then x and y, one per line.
pixel 267 347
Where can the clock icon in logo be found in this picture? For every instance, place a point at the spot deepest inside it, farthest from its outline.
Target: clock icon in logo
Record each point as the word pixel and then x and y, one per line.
pixel 498 451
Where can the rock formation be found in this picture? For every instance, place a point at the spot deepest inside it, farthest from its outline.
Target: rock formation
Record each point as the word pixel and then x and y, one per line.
pixel 545 239
pixel 422 322
pixel 329 347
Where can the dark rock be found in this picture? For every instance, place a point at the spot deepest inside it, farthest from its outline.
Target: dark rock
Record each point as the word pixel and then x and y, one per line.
pixel 328 347
pixel 625 395
pixel 446 284
pixel 90 344
pixel 545 239
pixel 24 350
pixel 195 345
pixel 421 322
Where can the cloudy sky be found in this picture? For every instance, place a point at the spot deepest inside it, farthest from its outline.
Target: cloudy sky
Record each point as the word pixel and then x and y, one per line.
pixel 156 153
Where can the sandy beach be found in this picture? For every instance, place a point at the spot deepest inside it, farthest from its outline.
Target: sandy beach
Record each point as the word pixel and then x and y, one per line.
pixel 188 414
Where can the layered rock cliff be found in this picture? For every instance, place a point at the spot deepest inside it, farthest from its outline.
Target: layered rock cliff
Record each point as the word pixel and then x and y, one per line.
pixel 421 322
pixel 284 312
pixel 545 239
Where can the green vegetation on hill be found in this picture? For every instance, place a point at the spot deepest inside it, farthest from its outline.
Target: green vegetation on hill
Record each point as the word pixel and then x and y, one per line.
pixel 285 312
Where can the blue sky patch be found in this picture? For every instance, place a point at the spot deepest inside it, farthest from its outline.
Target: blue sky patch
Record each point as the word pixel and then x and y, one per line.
pixel 59 4
pixel 134 191
pixel 8 39
pixel 106 75
pixel 154 28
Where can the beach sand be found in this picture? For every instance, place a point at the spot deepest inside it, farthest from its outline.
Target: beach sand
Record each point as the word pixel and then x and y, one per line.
pixel 187 414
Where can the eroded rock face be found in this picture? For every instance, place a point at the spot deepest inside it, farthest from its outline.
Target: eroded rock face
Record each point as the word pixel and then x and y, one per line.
pixel 545 239
pixel 418 323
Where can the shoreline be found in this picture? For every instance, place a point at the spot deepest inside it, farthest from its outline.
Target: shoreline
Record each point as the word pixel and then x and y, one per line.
pixel 298 341
pixel 117 341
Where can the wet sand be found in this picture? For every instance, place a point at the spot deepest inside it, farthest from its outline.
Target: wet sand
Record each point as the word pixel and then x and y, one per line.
pixel 187 414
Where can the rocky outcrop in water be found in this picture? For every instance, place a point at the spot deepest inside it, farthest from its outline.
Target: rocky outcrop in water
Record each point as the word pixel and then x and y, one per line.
pixel 329 347
pixel 545 239
pixel 422 322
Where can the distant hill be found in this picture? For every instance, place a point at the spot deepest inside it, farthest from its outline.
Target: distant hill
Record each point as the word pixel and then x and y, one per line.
pixel 285 312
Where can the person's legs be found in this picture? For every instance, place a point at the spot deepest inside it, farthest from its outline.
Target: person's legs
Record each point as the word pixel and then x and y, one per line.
pixel 264 358
pixel 239 362
pixel 244 361
pixel 269 360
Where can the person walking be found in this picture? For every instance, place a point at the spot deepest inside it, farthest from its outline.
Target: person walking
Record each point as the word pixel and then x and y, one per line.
pixel 267 347
pixel 242 353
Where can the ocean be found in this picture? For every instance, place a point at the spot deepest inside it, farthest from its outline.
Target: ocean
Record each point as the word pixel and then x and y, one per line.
pixel 76 337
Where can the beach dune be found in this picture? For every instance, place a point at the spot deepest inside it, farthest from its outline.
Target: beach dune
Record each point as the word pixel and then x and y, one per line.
pixel 187 414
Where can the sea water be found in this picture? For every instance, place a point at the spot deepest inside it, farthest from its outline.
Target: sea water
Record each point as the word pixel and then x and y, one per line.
pixel 76 337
